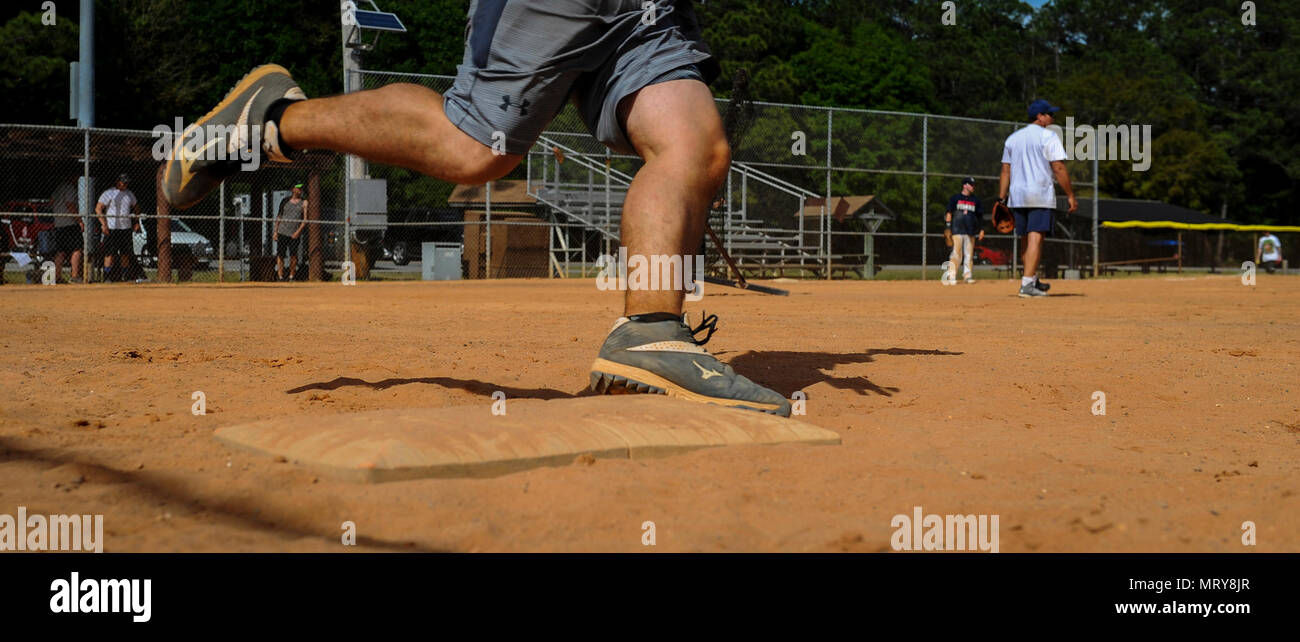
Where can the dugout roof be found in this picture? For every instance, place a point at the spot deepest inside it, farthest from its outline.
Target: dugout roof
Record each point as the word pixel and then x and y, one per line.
pixel 842 207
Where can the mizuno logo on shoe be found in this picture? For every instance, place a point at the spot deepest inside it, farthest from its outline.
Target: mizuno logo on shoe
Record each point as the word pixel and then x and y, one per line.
pixel 187 160
pixel 241 125
pixel 705 373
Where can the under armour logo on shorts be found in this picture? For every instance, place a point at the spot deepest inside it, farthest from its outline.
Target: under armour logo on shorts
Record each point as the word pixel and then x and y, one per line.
pixel 523 107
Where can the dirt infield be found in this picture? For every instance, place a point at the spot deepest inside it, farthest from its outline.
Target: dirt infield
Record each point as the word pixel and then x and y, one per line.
pixel 961 400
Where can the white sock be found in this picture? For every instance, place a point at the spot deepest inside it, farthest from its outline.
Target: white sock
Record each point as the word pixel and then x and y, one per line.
pixel 1026 280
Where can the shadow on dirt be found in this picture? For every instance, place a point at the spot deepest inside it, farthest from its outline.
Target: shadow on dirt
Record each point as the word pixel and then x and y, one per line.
pixel 780 370
pixel 155 488
pixel 474 386
pixel 786 372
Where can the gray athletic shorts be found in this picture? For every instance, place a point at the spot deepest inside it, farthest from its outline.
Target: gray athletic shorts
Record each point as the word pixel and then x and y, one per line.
pixel 525 58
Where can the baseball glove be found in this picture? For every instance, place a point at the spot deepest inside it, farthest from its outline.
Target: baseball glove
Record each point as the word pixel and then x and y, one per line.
pixel 1002 218
pixel 947 236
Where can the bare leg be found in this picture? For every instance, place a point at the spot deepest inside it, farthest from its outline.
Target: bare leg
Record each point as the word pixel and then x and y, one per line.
pixel 1033 249
pixel 675 127
pixel 293 267
pixel 76 264
pixel 404 125
pixel 279 268
pixel 58 265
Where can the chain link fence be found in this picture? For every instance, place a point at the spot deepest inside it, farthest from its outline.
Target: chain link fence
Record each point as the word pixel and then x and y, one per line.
pixel 813 192
pixel 52 179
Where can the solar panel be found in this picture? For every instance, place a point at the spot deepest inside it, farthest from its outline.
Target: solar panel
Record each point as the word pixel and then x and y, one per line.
pixel 379 20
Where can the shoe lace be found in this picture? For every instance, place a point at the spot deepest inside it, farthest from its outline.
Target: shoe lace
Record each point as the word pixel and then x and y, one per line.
pixel 709 322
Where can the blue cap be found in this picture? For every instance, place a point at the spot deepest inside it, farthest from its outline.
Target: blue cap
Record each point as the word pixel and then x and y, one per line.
pixel 1041 106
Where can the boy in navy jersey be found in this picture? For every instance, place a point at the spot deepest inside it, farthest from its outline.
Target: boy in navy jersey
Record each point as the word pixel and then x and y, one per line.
pixel 964 212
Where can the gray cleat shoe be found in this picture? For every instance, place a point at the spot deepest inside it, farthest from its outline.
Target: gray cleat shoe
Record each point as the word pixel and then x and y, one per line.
pixel 663 357
pixel 1029 291
pixel 237 123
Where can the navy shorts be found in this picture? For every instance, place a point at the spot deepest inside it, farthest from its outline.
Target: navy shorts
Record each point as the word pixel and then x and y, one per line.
pixel 524 59
pixel 1033 220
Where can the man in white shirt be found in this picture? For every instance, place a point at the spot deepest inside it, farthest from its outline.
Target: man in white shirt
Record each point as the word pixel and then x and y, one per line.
pixel 1031 157
pixel 1268 253
pixel 117 210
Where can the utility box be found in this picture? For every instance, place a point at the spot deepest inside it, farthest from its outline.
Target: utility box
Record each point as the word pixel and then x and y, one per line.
pixel 440 261
pixel 368 204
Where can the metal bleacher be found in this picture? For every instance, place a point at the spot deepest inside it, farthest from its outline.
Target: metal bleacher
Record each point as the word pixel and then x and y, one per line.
pixel 593 209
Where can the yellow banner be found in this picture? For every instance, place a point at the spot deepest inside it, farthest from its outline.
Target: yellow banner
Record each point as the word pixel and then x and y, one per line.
pixel 1201 227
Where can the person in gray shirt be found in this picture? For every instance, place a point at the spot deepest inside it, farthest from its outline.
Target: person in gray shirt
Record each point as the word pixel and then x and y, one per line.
pixel 67 229
pixel 289 224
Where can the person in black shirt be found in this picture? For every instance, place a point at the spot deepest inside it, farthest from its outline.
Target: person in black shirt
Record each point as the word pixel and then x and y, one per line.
pixel 963 216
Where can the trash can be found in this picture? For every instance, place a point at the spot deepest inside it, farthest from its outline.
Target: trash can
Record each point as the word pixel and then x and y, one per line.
pixel 440 261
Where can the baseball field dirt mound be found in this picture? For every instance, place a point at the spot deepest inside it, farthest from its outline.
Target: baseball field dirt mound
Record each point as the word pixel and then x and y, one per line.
pixel 487 441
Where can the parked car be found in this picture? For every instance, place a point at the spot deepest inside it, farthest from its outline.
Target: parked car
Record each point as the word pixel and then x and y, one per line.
pixel 989 256
pixel 184 239
pixel 418 225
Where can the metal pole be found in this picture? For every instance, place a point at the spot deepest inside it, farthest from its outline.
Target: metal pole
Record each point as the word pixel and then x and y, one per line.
pixel 726 227
pixel 263 217
pixel 86 66
pixel 925 167
pixel 825 222
pixel 487 269
pixel 1015 255
pixel 803 202
pixel 1096 226
pixel 86 120
pixel 221 236
pixel 315 260
pixel 351 167
pixel 87 197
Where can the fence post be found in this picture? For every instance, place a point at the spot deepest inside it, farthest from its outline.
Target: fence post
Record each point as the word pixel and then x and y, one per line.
pixel 87 196
pixel 315 262
pixel 164 230
pixel 727 210
pixel 825 221
pixel 1096 199
pixel 1015 255
pixel 487 201
pixel 221 234
pixel 925 193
